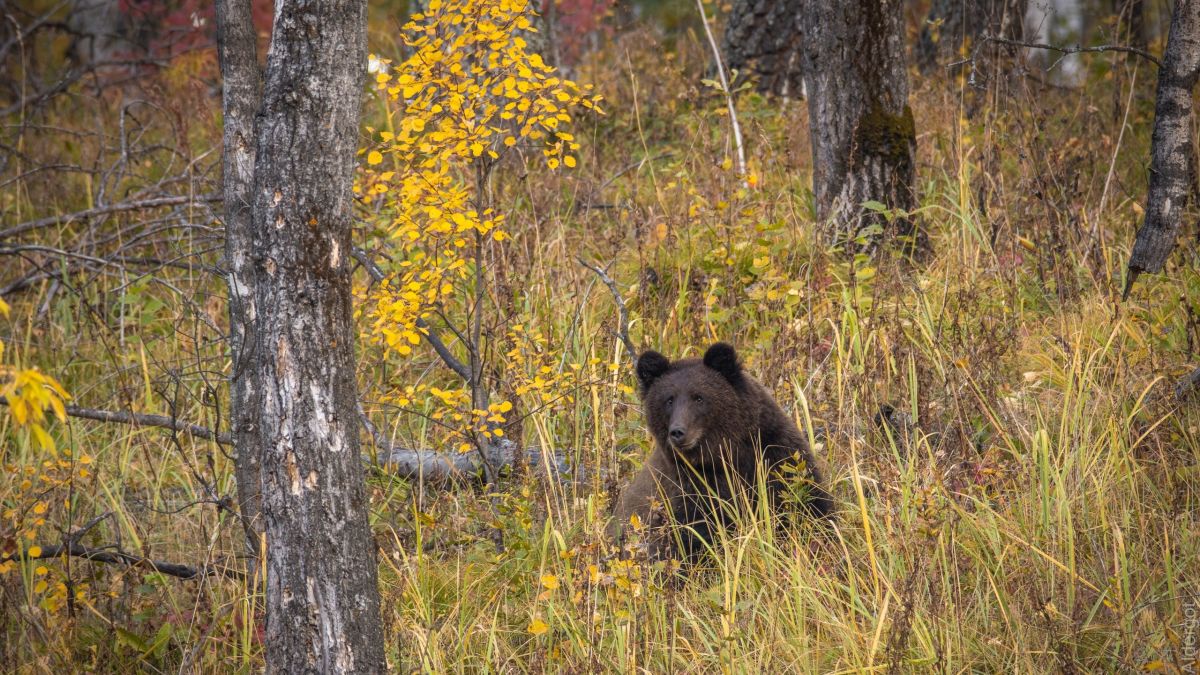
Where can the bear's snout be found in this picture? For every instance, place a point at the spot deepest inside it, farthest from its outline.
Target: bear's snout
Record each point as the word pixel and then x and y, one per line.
pixel 677 434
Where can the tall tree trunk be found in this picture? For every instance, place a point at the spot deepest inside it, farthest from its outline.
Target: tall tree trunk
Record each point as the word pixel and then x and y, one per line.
pixel 295 400
pixel 863 136
pixel 1172 155
pixel 237 46
pixel 953 23
pixel 1131 22
pixel 762 37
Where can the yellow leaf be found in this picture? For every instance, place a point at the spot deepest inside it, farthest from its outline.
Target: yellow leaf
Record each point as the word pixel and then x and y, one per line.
pixel 537 627
pixel 34 551
pixel 550 581
pixel 569 161
pixel 374 158
pixel 43 438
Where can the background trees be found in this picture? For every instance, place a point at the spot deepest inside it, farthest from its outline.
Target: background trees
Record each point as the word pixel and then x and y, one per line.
pixel 1173 154
pixel 860 124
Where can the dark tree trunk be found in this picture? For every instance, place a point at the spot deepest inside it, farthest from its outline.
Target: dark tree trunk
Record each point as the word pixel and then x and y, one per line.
pixel 1131 15
pixel 762 38
pixel 298 415
pixel 237 46
pixel 863 137
pixel 951 23
pixel 1171 145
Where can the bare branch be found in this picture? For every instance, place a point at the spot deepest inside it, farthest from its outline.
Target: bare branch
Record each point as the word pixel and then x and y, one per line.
pixel 105 210
pixel 119 557
pixel 623 333
pixel 144 420
pixel 1065 51
pixel 440 347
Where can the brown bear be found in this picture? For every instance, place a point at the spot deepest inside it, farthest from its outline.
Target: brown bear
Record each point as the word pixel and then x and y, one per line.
pixel 716 431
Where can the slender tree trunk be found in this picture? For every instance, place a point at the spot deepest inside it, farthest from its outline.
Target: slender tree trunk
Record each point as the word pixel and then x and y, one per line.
pixel 953 23
pixel 762 38
pixel 1172 154
pixel 1131 15
pixel 295 403
pixel 242 92
pixel 863 137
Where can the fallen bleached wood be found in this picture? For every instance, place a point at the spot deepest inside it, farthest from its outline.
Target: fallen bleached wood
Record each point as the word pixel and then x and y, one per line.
pixel 440 467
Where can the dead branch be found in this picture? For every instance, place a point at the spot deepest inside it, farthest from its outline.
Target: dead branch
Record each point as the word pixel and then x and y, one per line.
pixel 451 361
pixel 119 557
pixel 144 420
pixel 134 205
pixel 623 312
pixel 416 464
pixel 1068 50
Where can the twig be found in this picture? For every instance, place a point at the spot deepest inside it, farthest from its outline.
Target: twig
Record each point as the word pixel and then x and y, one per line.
pixel 118 557
pixel 733 120
pixel 621 309
pixel 414 464
pixel 440 347
pixel 1066 51
pixel 144 420
pixel 105 210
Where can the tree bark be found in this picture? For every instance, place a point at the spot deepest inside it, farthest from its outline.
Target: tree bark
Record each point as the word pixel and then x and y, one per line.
pixel 951 23
pixel 762 38
pixel 321 588
pixel 237 50
pixel 863 136
pixel 1171 144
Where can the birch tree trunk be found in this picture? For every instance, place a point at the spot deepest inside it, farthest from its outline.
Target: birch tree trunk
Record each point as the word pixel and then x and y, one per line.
pixel 296 423
pixel 1172 154
pixel 863 136
pixel 241 94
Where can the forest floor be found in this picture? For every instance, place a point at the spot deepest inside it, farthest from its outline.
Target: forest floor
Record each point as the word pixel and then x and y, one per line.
pixel 1039 514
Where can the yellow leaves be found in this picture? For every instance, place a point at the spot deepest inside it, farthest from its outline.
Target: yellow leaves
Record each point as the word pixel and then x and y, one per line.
pixel 29 394
pixel 468 91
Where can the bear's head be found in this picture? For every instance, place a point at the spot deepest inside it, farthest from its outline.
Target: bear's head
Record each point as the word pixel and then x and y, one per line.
pixel 696 407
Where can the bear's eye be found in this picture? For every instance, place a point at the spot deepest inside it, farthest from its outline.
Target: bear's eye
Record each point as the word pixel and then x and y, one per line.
pixel 698 398
pixel 670 401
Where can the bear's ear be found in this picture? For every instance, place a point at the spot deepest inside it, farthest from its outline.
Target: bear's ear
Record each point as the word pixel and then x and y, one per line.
pixel 722 358
pixel 650 366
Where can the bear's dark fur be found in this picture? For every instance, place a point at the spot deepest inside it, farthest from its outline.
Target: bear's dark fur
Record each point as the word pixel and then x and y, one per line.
pixel 715 428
